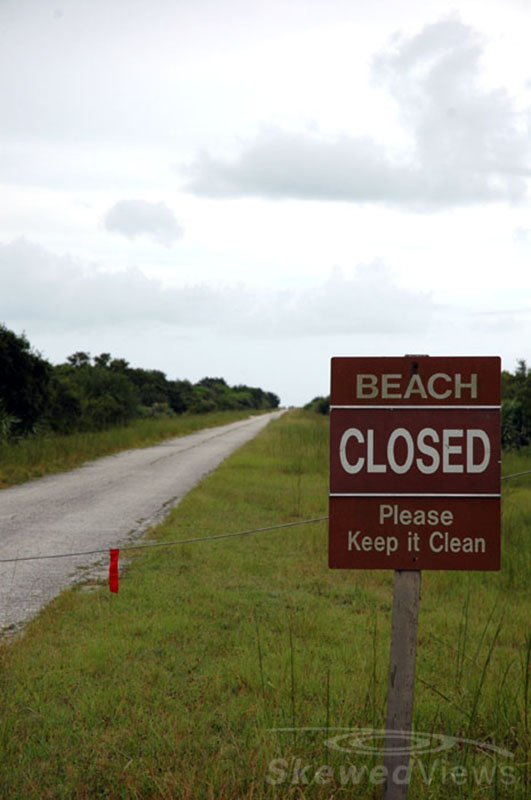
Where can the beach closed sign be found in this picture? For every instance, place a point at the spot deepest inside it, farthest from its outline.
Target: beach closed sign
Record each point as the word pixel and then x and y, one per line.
pixel 415 463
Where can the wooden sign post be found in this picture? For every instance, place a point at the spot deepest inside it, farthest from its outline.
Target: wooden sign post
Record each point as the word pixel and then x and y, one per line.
pixel 414 484
pixel 401 682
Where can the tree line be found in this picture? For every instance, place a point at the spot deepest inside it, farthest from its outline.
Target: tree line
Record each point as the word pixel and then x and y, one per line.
pixel 91 393
pixel 516 407
pixel 515 413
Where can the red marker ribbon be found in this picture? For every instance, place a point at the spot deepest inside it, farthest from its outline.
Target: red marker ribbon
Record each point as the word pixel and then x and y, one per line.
pixel 113 571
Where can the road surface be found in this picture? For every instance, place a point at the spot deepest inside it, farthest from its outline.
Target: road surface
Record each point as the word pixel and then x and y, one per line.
pixel 105 503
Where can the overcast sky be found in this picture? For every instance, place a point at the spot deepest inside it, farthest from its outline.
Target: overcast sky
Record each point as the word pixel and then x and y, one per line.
pixel 245 189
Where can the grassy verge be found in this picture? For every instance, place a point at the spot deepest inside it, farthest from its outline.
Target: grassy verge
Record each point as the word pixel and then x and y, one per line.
pixel 177 686
pixel 44 454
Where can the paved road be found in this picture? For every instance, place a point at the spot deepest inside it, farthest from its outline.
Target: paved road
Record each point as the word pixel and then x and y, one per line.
pixel 103 504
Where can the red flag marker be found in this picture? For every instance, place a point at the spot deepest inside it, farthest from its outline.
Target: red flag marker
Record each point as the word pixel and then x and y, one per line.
pixel 113 571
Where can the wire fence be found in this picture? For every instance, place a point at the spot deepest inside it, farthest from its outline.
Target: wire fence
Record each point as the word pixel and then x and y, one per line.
pixel 194 539
pixel 166 544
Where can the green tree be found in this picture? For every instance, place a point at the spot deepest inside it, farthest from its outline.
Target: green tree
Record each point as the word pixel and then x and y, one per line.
pixel 103 360
pixel 203 399
pixel 107 398
pixel 273 400
pixel 151 384
pixel 516 407
pixel 24 381
pixel 180 394
pixel 65 406
pixel 79 359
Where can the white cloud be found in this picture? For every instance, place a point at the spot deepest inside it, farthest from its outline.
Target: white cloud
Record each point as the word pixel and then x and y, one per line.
pixel 133 218
pixel 522 236
pixel 286 164
pixel 469 144
pixel 57 292
pixel 472 139
pixel 281 340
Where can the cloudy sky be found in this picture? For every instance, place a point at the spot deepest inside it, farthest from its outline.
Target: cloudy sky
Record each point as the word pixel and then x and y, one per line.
pixel 249 187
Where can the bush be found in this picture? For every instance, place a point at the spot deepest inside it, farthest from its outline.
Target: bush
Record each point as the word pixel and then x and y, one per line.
pixel 155 411
pixel 321 405
pixel 7 424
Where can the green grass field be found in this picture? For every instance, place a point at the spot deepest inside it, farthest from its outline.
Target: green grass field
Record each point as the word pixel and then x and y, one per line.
pixel 43 454
pixel 177 686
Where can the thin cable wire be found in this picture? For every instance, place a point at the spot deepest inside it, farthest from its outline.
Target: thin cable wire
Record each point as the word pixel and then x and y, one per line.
pixel 194 539
pixel 516 475
pixel 165 544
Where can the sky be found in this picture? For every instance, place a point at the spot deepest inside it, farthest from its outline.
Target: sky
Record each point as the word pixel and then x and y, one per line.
pixel 248 188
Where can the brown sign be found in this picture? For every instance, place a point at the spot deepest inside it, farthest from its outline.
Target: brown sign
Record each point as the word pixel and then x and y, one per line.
pixel 415 463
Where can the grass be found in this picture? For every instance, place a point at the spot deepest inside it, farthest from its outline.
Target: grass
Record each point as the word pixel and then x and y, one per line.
pixel 46 453
pixel 177 686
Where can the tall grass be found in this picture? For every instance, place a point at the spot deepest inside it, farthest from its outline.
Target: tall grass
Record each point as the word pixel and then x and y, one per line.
pixel 45 453
pixel 190 682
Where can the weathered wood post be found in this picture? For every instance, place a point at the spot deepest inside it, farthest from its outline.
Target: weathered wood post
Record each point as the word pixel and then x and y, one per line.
pixel 401 683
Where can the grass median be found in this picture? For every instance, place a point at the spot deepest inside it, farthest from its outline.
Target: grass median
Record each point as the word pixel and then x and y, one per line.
pixel 203 677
